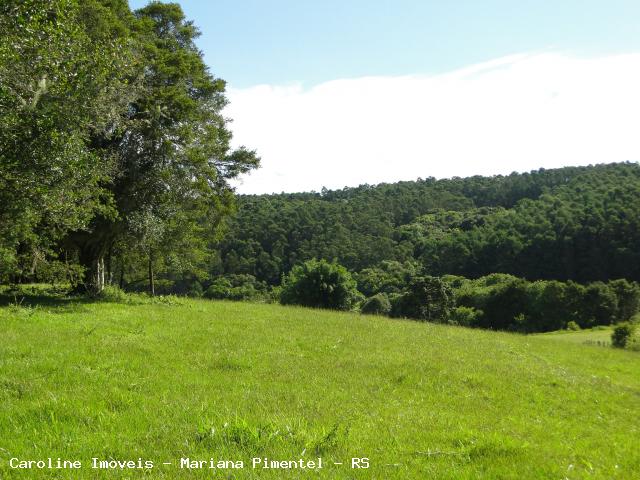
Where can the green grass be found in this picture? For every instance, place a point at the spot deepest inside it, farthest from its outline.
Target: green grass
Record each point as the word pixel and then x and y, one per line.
pixel 204 379
pixel 599 336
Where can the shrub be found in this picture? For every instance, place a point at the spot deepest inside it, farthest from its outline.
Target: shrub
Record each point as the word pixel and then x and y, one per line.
pixel 273 295
pixel 427 298
pixel 195 290
pixel 472 295
pixel 388 276
pixel 506 303
pixel 395 299
pixel 219 289
pixel 112 293
pixel 573 326
pixel 465 316
pixel 235 287
pixel 376 305
pixel 548 306
pixel 477 293
pixel 319 284
pixel 244 292
pixel 622 334
pixel 628 296
pixel 599 305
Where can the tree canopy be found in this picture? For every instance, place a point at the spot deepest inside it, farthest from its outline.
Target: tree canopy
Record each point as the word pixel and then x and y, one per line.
pixel 112 137
pixel 575 223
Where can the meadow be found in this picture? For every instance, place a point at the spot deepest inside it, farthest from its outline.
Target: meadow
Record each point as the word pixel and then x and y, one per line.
pixel 171 378
pixel 599 336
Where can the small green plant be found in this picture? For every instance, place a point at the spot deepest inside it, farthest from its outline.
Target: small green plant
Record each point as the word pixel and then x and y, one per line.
pixel 113 293
pixel 573 326
pixel 622 334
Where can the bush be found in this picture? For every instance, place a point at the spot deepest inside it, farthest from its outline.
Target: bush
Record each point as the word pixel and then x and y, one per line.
pixel 376 305
pixel 195 290
pixel 506 306
pixel 235 287
pixel 465 316
pixel 112 293
pixel 219 289
pixel 599 305
pixel 273 295
pixel 623 334
pixel 548 306
pixel 427 298
pixel 388 277
pixel 573 326
pixel 395 299
pixel 320 284
pixel 628 296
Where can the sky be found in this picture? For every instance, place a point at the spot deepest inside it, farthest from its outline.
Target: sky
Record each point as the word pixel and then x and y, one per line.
pixel 341 93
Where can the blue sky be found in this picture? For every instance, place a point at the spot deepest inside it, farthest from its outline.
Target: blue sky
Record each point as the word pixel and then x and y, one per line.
pixel 339 93
pixel 283 41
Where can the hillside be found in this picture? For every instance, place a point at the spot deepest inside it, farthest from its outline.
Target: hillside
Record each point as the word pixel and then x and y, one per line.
pixel 164 379
pixel 573 223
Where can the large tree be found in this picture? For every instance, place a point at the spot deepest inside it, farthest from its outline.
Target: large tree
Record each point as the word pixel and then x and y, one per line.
pixel 65 72
pixel 173 156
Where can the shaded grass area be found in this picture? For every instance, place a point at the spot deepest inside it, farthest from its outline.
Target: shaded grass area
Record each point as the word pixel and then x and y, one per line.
pixel 38 295
pixel 201 379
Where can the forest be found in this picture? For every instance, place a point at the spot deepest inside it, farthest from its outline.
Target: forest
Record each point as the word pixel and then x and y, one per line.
pixel 574 223
pixel 537 251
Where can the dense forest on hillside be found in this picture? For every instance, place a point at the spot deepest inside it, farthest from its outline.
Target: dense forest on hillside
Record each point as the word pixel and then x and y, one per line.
pixel 574 223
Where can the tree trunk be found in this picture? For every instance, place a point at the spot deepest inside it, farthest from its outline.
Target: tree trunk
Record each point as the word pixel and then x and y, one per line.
pixel 101 283
pixel 92 248
pixel 92 259
pixel 109 278
pixel 121 283
pixel 94 281
pixel 152 287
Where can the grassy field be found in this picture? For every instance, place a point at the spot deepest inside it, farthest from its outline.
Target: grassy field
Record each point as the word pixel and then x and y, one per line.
pixel 599 336
pixel 175 379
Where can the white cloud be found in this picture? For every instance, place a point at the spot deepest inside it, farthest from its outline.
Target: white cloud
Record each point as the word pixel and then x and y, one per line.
pixel 516 113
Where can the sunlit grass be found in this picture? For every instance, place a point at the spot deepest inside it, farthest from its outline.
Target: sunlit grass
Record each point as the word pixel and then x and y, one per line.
pixel 599 336
pixel 201 379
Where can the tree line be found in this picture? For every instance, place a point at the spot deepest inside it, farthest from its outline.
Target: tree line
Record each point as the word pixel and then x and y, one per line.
pixel 575 223
pixel 496 301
